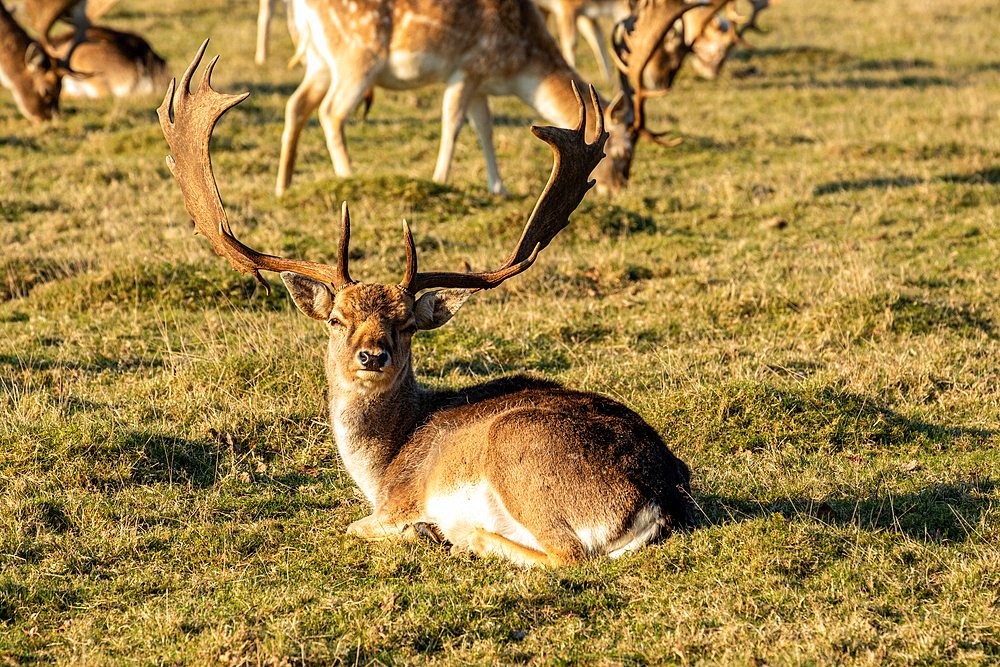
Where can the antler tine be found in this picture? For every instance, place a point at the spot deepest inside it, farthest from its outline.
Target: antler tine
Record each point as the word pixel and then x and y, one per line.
pixel 757 7
pixel 188 121
pixel 573 161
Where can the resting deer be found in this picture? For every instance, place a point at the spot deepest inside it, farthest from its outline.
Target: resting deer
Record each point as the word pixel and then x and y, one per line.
pixel 519 468
pixel 28 71
pixel 476 47
pixel 113 63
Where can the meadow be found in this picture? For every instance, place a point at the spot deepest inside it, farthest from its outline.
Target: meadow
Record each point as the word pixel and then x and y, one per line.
pixel 803 298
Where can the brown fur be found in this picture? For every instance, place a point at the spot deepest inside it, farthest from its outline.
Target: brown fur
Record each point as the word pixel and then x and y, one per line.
pixel 30 74
pixel 577 472
pixel 113 63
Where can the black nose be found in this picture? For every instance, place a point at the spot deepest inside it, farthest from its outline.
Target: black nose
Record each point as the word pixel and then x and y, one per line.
pixel 372 361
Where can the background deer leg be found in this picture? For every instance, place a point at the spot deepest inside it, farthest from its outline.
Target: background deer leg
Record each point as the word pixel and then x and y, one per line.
pixel 482 123
pixel 300 106
pixel 457 97
pixel 340 100
pixel 566 26
pixel 595 38
pixel 263 22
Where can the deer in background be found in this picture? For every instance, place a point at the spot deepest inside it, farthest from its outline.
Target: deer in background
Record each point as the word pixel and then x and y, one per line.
pixel 28 71
pixel 519 468
pixel 709 34
pixel 112 63
pixel 476 47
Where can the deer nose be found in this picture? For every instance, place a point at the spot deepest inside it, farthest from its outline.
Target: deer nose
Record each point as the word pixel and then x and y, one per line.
pixel 373 361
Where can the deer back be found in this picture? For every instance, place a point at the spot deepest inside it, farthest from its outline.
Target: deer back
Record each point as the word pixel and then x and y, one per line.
pixel 114 63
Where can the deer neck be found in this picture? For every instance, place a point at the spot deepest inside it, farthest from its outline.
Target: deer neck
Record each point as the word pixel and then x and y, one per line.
pixel 372 428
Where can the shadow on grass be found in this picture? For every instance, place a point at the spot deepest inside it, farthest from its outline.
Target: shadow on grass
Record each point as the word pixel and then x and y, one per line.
pixel 944 511
pixel 30 364
pixel 829 423
pixel 866 184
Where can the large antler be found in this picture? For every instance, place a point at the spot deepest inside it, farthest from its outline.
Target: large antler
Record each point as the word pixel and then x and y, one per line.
pixel 188 130
pixel 635 47
pixel 574 160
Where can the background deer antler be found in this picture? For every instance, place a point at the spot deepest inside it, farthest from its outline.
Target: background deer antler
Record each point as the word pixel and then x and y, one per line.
pixel 634 48
pixel 188 129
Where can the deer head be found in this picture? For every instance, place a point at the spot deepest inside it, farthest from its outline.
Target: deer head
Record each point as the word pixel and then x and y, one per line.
pixel 370 325
pixel 636 41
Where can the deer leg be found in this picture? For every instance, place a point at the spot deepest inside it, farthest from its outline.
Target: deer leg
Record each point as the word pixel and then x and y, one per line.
pixel 340 100
pixel 263 22
pixel 485 543
pixel 592 33
pixel 300 106
pixel 566 26
pixel 457 97
pixel 482 123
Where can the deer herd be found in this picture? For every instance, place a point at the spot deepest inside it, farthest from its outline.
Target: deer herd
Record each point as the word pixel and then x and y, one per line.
pixel 519 467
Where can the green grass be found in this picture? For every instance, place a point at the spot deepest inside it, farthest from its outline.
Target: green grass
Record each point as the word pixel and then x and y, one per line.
pixel 803 297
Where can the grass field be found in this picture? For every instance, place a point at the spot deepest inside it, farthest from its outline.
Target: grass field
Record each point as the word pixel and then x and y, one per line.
pixel 803 298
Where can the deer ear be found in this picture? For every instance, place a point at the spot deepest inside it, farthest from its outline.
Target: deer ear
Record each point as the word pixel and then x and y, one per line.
pixel 435 308
pixel 35 58
pixel 620 111
pixel 311 296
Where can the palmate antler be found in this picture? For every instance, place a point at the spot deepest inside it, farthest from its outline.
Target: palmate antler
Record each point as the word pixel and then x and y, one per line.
pixel 635 46
pixel 188 120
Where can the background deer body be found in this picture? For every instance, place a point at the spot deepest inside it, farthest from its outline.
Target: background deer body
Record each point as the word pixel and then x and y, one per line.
pixel 114 63
pixel 517 467
pixel 476 47
pixel 28 71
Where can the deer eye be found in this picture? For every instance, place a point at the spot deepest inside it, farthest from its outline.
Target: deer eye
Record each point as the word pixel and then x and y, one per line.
pixel 409 329
pixel 335 323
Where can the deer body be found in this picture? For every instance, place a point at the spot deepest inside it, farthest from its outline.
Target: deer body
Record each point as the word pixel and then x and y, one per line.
pixel 114 63
pixel 27 71
pixel 517 467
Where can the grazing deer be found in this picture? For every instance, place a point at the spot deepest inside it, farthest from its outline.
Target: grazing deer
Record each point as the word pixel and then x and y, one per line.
pixel 113 63
pixel 580 16
pixel 476 47
pixel 264 13
pixel 709 35
pixel 28 71
pixel 517 467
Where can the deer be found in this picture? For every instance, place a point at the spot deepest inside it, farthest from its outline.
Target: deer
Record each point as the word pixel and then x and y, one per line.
pixel 709 34
pixel 28 71
pixel 477 48
pixel 518 468
pixel 112 62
